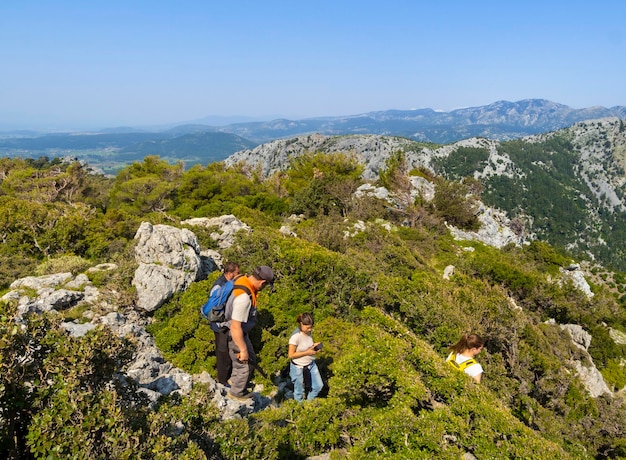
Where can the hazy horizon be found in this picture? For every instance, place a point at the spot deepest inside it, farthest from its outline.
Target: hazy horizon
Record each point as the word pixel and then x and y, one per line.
pixel 211 120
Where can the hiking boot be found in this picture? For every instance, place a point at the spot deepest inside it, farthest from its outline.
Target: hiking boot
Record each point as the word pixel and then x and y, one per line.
pixel 244 398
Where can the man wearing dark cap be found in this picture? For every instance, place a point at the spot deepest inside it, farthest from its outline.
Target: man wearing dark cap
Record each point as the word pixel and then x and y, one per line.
pixel 241 316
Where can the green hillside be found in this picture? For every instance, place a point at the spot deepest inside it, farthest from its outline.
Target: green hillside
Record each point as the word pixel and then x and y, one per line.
pixel 551 195
pixel 382 308
pixel 566 187
pixel 113 151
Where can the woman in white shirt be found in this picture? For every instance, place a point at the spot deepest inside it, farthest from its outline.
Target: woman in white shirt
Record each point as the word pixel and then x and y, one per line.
pixel 462 356
pixel 302 351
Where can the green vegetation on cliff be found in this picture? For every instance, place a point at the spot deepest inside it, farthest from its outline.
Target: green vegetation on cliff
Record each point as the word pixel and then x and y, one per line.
pixel 381 305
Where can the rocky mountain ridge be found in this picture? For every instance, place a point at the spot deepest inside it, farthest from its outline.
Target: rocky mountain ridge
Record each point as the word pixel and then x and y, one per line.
pixel 594 183
pixel 600 143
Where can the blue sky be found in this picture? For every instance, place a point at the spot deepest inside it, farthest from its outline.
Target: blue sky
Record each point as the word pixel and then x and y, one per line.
pixel 76 64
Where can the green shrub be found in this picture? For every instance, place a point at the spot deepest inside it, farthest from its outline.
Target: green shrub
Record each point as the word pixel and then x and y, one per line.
pixel 603 348
pixel 61 264
pixel 462 162
pixel 99 428
pixel 15 266
pixel 184 337
pixel 64 386
pixel 455 205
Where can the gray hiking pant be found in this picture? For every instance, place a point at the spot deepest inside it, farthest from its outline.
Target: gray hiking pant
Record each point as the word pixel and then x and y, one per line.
pixel 242 373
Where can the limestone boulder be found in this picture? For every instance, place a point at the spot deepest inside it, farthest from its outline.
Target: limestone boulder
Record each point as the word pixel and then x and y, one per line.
pixel 169 261
pixel 225 228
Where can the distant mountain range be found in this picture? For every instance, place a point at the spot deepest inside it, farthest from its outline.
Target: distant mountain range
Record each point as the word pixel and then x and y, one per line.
pixel 199 143
pixel 501 120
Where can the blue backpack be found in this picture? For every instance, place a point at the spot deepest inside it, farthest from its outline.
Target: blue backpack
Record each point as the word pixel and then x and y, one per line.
pixel 214 308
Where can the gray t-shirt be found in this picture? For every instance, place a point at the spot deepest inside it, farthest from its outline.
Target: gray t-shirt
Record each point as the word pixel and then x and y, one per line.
pixel 241 308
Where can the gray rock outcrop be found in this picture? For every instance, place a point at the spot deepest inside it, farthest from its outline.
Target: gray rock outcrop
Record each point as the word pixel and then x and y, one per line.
pixel 41 282
pixel 372 150
pixel 372 191
pixel 169 261
pixel 152 373
pixel 587 372
pixel 580 337
pixel 420 187
pixel 495 229
pixel 618 337
pixel 577 278
pixel 38 294
pixel 226 227
pixel 149 370
pixel 592 379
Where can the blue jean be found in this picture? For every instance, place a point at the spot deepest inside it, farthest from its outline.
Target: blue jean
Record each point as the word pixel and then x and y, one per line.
pixel 297 377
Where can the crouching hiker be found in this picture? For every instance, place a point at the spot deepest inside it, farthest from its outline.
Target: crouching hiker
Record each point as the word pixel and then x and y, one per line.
pixel 302 351
pixel 462 355
pixel 241 316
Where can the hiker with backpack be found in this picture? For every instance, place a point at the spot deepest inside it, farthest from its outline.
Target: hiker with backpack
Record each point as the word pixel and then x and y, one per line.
pixel 223 365
pixel 302 351
pixel 240 317
pixel 463 353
